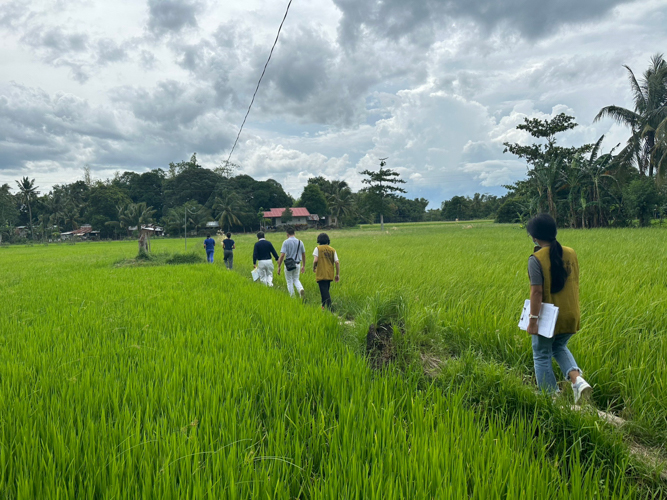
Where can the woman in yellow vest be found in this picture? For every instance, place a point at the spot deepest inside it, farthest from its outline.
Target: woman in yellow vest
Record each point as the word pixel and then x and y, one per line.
pixel 554 279
pixel 325 259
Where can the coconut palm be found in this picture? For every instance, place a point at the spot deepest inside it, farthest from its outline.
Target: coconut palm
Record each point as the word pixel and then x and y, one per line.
pixel 70 216
pixel 661 148
pixel 28 192
pixel 227 210
pixel 55 205
pixel 137 214
pixel 649 113
pixel 199 218
pixel 341 202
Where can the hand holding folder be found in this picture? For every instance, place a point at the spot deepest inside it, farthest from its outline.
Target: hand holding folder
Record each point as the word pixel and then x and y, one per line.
pixel 546 324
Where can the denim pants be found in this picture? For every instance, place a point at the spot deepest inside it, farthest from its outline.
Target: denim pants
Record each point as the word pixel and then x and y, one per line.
pixel 209 257
pixel 292 278
pixel 543 350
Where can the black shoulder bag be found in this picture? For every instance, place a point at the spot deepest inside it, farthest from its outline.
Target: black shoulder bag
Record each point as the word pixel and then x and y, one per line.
pixel 290 263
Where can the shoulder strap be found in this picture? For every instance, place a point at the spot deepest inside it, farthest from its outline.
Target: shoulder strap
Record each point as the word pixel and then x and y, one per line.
pixel 298 247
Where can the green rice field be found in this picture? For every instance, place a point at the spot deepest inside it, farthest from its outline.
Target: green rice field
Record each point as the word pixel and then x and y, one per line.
pixel 154 380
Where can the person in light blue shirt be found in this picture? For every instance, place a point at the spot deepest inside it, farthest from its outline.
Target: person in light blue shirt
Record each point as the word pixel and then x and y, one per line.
pixel 209 245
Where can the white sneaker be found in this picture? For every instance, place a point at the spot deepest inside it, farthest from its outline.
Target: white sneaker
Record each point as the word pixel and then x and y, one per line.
pixel 581 389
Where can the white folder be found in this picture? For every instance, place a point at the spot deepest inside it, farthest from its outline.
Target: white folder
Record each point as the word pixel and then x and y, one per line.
pixel 546 325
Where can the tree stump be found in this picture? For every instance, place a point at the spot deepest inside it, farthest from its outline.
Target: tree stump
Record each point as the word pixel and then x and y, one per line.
pixel 143 243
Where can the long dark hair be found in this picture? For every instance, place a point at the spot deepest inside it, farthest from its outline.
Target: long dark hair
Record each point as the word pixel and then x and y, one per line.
pixel 543 227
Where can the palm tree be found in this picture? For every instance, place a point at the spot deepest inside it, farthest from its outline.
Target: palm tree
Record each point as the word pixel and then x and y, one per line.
pixel 650 112
pixel 55 205
pixel 227 210
pixel 70 216
pixel 173 220
pixel 137 214
pixel 340 202
pixel 43 224
pixel 661 149
pixel 28 191
pixel 199 218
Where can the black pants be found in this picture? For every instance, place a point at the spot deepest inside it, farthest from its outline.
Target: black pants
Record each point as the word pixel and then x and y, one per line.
pixel 229 258
pixel 324 292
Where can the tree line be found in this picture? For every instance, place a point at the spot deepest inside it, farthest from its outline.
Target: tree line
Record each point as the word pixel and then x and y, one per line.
pixel 188 193
pixel 583 186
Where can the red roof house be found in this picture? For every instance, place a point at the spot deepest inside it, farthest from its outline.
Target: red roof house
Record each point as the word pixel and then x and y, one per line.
pixel 300 215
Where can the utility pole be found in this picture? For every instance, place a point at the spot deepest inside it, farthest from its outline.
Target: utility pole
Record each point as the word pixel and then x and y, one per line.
pixel 185 225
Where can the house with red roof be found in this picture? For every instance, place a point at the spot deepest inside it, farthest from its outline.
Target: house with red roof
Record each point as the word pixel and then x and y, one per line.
pixel 300 215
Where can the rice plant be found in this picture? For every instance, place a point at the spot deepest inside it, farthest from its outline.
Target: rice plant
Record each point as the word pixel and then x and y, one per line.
pixel 190 381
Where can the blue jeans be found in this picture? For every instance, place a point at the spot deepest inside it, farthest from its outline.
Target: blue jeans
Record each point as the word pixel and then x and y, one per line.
pixel 543 350
pixel 209 257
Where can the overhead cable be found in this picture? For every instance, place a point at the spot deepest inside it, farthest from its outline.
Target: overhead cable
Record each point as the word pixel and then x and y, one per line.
pixel 275 42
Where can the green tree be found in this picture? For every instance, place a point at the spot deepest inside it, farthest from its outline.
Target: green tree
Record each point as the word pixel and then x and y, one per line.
pixel 314 200
pixel 381 184
pixel 643 199
pixel 173 220
pixel 341 203
pixel 199 217
pixel 326 186
pixel 227 210
pixel 458 207
pixel 286 216
pixel 647 117
pixel 28 192
pixel 189 181
pixel 103 201
pixel 511 211
pixel 71 216
pixel 548 160
pixel 136 214
pixel 9 214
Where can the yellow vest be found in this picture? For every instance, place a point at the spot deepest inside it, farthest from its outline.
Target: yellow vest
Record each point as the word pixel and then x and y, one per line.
pixel 325 263
pixel 567 300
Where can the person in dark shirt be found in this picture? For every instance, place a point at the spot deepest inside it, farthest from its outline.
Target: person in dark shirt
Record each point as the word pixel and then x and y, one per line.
pixel 228 250
pixel 261 259
pixel 209 245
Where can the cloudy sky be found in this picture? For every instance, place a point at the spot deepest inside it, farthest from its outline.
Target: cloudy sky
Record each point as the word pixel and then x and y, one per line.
pixel 435 85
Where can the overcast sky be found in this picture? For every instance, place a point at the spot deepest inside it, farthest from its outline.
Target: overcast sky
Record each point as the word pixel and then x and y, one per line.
pixel 435 85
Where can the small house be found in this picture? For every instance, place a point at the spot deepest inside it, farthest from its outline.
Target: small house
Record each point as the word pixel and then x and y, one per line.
pixel 300 216
pixel 85 232
pixel 313 220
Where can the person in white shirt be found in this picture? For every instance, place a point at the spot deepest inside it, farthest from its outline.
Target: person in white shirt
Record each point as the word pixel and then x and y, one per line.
pixel 293 253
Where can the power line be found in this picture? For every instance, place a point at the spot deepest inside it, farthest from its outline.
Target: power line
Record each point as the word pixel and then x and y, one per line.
pixel 275 42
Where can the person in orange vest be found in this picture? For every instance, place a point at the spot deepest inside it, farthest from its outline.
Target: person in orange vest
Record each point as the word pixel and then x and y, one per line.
pixel 325 260
pixel 553 271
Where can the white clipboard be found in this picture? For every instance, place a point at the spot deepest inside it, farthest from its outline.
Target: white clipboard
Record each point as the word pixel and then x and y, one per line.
pixel 546 325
